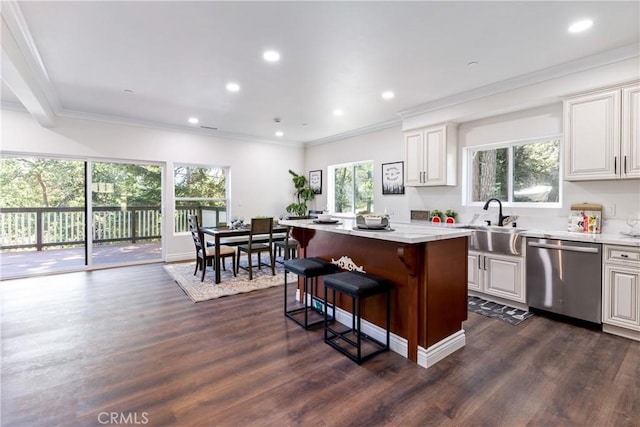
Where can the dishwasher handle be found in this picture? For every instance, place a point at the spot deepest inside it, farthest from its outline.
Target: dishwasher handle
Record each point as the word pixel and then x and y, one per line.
pixel 590 250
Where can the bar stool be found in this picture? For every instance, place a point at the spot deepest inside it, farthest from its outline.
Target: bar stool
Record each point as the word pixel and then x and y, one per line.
pixel 310 269
pixel 358 286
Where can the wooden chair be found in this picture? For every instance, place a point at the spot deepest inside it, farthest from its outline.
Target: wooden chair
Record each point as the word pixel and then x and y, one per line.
pixel 260 229
pixel 289 246
pixel 205 255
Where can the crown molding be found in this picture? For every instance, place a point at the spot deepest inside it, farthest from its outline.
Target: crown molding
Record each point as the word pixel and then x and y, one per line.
pixel 355 132
pixel 579 65
pixel 177 128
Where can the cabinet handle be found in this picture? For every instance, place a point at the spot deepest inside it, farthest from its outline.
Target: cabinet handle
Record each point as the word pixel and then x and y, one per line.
pixel 484 263
pixel 625 164
pixel 615 164
pixel 479 268
pixel 624 256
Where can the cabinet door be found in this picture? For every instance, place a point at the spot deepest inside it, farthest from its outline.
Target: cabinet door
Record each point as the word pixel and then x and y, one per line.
pixel 592 136
pixel 413 145
pixel 631 131
pixel 435 156
pixel 503 277
pixel 621 299
pixel 474 263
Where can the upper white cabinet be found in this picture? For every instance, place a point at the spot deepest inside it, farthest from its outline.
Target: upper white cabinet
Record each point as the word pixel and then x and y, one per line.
pixel 430 156
pixel 602 134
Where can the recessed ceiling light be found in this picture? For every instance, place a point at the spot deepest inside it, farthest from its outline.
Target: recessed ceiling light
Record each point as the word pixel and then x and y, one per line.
pixel 580 26
pixel 271 56
pixel 388 94
pixel 233 87
pixel 338 112
pixel 279 133
pixel 193 120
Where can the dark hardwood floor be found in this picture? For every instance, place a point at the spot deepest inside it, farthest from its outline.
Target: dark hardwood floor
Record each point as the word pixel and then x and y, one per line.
pixel 127 346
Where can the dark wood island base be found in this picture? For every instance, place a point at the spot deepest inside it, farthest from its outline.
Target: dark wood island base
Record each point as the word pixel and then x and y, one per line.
pixel 428 268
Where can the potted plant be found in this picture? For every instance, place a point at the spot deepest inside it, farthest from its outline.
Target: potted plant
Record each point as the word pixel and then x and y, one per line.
pixel 303 194
pixel 451 213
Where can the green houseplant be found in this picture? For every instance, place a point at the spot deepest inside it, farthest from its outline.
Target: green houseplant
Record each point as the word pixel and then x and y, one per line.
pixel 303 194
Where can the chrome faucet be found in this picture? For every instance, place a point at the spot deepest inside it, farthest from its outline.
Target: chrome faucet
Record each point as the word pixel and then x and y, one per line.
pixel 501 217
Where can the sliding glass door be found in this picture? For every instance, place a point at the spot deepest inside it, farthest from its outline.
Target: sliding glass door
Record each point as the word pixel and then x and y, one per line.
pixel 42 215
pixel 45 203
pixel 126 212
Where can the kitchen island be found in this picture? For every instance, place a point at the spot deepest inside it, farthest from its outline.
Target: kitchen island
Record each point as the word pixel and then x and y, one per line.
pixel 427 266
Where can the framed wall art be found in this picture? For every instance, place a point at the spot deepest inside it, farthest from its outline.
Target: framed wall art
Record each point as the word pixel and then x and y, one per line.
pixel 393 178
pixel 315 181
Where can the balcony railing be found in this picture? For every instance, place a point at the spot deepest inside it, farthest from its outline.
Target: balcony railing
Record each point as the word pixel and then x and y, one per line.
pixel 25 228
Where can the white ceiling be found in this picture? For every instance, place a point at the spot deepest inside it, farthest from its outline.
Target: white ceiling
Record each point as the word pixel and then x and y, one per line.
pixel 176 57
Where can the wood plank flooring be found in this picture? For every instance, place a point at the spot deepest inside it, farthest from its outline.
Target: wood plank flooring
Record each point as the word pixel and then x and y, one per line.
pixel 81 348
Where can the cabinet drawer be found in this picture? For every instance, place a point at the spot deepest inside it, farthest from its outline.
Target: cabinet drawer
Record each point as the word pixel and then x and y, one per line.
pixel 622 254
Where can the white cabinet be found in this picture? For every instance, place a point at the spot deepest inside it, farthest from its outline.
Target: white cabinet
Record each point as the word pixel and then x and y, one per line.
pixel 621 290
pixel 602 134
pixel 430 156
pixel 498 275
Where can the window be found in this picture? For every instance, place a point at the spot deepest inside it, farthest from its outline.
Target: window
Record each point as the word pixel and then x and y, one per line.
pixel 351 188
pixel 202 191
pixel 521 173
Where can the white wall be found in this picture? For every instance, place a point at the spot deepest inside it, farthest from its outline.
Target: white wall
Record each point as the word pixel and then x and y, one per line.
pixel 521 122
pixel 385 146
pixel 260 182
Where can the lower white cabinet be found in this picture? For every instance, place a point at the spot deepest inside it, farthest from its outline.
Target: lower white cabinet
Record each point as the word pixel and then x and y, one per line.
pixel 498 275
pixel 621 290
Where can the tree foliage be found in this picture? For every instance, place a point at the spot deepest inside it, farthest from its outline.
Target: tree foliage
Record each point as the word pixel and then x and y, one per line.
pixel 38 182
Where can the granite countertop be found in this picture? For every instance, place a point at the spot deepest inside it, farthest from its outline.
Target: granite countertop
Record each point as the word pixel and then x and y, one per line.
pixel 401 232
pixel 607 238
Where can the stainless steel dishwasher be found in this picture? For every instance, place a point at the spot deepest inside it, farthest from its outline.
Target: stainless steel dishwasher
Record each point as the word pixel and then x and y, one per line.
pixel 565 277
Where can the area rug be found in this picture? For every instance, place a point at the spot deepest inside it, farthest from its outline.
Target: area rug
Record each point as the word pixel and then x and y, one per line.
pixel 198 291
pixel 503 312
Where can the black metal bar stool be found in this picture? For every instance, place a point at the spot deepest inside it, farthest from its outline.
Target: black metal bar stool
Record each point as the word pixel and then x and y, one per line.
pixel 310 269
pixel 358 286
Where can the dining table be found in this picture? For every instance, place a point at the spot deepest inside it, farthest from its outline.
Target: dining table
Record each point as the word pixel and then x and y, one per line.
pixel 229 236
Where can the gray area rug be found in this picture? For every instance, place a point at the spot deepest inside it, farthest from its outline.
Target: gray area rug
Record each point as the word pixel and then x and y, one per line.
pixel 499 311
pixel 198 291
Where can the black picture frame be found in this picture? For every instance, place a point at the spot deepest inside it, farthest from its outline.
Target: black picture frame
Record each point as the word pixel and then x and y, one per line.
pixel 315 181
pixel 393 178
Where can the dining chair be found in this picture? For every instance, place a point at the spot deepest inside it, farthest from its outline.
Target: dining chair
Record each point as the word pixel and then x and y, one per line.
pixel 258 243
pixel 205 254
pixel 289 246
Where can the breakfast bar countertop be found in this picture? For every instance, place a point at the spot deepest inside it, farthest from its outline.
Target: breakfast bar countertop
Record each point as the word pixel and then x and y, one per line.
pixel 400 232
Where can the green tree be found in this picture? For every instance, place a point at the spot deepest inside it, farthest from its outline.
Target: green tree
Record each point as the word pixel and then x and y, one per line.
pixel 36 182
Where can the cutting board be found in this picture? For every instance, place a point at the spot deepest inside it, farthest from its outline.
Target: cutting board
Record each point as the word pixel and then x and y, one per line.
pixel 585 218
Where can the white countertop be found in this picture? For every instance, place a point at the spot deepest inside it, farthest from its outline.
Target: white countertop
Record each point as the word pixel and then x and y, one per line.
pixel 402 232
pixel 611 239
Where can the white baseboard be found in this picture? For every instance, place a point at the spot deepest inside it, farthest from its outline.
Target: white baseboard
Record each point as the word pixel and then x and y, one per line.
pixel 397 344
pixel 187 256
pixel 623 332
pixel 432 355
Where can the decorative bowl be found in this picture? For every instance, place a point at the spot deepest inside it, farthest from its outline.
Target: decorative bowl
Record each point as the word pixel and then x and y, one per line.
pixel 324 217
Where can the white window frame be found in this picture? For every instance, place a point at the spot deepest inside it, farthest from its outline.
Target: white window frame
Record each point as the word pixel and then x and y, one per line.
pixel 331 190
pixel 226 199
pixel 467 172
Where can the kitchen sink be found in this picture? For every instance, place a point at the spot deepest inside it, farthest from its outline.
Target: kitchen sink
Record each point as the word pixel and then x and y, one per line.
pixel 501 240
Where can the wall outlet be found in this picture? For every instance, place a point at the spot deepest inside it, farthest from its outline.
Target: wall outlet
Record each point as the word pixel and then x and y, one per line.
pixel 610 210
